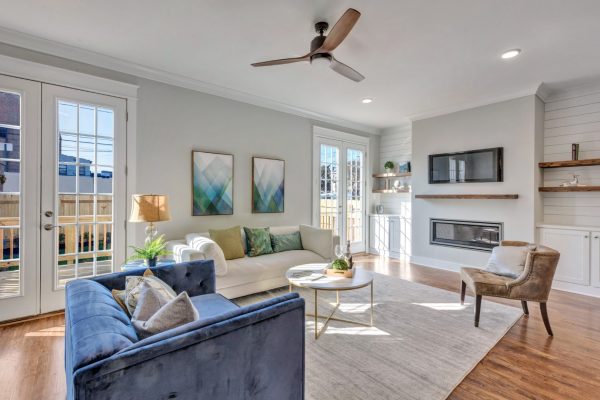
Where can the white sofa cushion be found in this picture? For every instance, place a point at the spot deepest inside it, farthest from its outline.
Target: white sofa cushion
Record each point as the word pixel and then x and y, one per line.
pixel 317 240
pixel 254 269
pixel 211 250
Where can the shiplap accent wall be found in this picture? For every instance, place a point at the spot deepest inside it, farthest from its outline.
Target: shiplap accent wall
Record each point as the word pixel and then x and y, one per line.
pixel 395 145
pixel 575 119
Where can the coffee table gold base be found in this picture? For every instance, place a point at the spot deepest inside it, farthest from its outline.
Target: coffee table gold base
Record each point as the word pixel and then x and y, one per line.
pixel 330 317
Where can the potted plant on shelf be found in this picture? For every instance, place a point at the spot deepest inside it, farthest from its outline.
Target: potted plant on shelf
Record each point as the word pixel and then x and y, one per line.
pixel 150 252
pixel 389 167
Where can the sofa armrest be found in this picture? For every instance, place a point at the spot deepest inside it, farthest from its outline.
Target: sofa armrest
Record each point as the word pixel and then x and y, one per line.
pixel 224 359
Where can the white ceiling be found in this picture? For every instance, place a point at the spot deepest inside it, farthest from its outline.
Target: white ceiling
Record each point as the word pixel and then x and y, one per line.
pixel 419 57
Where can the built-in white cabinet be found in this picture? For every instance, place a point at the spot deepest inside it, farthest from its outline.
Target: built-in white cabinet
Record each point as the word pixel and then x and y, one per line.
pixel 579 254
pixel 389 235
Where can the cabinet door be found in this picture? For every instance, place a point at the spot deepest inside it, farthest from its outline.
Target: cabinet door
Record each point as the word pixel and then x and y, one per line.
pixel 595 259
pixel 574 249
pixel 394 236
pixel 374 233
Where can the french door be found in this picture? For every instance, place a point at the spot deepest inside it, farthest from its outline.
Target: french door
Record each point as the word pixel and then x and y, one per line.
pixel 61 193
pixel 340 195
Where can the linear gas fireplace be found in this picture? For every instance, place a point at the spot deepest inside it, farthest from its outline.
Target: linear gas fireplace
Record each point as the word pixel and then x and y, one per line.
pixel 466 234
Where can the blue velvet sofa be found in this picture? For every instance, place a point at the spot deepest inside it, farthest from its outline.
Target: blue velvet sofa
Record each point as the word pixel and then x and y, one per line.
pixel 251 352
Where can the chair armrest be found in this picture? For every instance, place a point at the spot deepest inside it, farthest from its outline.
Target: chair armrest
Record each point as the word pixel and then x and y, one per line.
pixel 535 282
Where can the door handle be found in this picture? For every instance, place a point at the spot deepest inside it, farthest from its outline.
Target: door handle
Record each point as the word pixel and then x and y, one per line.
pixel 49 227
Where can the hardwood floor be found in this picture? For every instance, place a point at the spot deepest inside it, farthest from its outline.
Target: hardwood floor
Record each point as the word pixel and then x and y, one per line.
pixel 525 364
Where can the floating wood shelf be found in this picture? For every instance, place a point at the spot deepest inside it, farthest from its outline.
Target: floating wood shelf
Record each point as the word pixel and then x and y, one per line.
pixel 468 196
pixel 391 191
pixel 570 189
pixel 392 175
pixel 570 163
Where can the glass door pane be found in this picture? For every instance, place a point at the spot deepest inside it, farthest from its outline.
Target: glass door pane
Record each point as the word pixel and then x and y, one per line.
pixel 354 195
pixel 329 207
pixel 84 173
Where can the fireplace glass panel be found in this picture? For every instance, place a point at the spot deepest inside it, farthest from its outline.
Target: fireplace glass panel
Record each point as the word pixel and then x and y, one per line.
pixel 466 234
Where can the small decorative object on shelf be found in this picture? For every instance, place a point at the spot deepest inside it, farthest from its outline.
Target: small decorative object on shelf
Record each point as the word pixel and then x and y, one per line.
pixel 575 151
pixel 572 182
pixel 389 167
pixel 404 167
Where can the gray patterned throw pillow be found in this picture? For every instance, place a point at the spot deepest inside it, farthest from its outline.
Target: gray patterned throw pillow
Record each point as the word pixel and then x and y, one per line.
pixel 286 242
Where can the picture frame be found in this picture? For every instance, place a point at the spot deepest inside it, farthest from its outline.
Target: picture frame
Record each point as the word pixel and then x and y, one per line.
pixel 268 185
pixel 212 183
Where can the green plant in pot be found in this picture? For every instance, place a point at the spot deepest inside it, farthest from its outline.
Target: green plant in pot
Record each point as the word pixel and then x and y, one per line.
pixel 389 166
pixel 340 265
pixel 150 251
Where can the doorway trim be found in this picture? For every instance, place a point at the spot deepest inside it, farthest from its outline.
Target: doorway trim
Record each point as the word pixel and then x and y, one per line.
pixel 319 133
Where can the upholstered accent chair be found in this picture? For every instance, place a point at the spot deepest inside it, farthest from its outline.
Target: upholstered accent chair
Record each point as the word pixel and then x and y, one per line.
pixel 532 285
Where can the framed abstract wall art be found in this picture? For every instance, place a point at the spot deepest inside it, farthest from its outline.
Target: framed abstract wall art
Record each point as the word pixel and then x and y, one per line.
pixel 212 183
pixel 268 176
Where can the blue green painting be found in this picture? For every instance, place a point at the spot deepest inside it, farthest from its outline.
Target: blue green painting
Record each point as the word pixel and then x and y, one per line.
pixel 212 180
pixel 267 185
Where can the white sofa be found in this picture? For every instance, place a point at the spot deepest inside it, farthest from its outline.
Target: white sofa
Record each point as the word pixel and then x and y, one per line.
pixel 248 275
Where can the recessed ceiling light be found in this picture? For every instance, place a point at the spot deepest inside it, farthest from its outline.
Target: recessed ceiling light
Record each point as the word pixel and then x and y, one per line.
pixel 367 100
pixel 511 54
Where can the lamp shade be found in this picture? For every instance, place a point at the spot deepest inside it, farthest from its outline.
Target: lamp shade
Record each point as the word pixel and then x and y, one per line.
pixel 149 208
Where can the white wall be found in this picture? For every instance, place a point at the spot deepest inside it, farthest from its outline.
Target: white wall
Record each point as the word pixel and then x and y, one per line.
pixel 172 121
pixel 514 125
pixel 573 119
pixel 395 145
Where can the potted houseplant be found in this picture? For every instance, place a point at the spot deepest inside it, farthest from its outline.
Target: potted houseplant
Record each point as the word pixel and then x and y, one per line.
pixel 389 166
pixel 340 267
pixel 150 252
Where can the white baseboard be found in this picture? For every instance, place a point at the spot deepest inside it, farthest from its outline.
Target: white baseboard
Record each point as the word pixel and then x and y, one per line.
pixel 455 267
pixel 439 264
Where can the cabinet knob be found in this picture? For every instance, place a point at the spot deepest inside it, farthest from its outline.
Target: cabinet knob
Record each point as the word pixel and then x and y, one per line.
pixel 586 236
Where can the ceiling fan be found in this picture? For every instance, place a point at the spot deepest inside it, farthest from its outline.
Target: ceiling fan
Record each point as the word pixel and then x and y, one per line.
pixel 322 46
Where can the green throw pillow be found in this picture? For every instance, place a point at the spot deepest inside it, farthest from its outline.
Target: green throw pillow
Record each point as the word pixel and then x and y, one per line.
pixel 286 242
pixel 229 240
pixel 259 241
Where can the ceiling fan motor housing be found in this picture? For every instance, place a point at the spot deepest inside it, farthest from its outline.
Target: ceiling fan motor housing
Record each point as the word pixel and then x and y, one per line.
pixel 316 43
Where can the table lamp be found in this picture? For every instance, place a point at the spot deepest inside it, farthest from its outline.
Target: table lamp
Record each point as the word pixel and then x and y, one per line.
pixel 150 208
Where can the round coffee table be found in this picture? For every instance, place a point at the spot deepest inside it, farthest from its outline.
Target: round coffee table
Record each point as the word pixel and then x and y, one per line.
pixel 313 276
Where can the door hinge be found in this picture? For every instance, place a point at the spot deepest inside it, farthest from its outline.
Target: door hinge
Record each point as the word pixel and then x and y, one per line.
pixel 126 117
pixel 126 170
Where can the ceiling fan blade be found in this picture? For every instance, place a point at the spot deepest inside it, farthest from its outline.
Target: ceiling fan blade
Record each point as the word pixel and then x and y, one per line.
pixel 340 30
pixel 345 70
pixel 282 61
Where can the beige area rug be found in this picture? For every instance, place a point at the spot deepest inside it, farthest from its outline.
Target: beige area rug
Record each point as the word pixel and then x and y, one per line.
pixel 422 345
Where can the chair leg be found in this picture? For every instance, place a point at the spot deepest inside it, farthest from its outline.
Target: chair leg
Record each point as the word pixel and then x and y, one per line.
pixel 544 311
pixel 463 289
pixel 477 309
pixel 525 308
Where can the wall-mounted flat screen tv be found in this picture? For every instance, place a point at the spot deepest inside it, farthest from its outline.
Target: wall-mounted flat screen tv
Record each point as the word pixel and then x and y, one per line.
pixel 466 167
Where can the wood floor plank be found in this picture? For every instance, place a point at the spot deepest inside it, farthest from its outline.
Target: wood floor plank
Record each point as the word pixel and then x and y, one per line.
pixel 525 364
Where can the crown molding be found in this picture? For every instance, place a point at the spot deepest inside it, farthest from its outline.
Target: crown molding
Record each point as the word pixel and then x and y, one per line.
pixel 479 103
pixel 582 88
pixel 73 53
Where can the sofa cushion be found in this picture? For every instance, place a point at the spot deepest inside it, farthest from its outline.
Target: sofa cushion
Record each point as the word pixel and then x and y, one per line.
pixel 256 269
pixel 317 240
pixel 98 327
pixel 211 251
pixel 286 242
pixel 230 241
pixel 258 241
pixel 211 305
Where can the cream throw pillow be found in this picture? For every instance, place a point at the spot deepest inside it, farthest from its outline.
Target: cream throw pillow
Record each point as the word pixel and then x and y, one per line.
pixel 317 240
pixel 133 289
pixel 156 313
pixel 508 261
pixel 211 251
